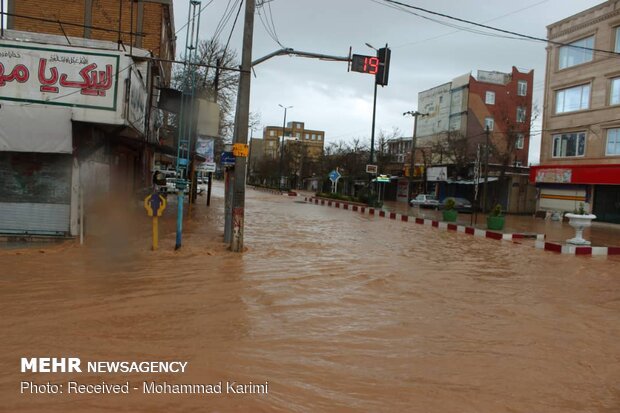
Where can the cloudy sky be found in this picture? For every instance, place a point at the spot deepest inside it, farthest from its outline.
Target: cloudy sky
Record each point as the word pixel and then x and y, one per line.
pixel 424 54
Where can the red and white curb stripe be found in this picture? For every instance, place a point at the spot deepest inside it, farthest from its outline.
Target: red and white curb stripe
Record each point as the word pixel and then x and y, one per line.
pixel 576 249
pixel 447 226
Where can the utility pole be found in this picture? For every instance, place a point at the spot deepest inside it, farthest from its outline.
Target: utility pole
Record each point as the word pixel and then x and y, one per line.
pixel 415 115
pixel 282 145
pixel 241 128
pixel 486 171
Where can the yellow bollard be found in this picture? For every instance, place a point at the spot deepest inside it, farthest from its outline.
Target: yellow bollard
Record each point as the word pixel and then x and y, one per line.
pixel 155 205
pixel 155 233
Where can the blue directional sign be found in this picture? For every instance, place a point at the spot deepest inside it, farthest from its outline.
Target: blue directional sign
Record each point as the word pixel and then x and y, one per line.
pixel 334 176
pixel 227 159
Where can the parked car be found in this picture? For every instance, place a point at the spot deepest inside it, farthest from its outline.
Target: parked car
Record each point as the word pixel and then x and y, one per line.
pixel 460 204
pixel 425 201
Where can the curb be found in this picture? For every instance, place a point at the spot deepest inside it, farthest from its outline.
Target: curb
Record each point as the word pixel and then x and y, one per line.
pixel 541 243
pixel 446 226
pixel 576 249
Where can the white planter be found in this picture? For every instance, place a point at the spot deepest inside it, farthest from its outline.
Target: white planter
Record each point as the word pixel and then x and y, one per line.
pixel 579 222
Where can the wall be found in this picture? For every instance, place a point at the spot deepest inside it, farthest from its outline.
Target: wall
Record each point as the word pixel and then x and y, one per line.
pixel 601 21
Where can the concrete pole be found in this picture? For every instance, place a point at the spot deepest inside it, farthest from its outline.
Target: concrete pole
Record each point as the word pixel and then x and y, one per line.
pixel 282 145
pixel 415 115
pixel 241 128
pixel 486 171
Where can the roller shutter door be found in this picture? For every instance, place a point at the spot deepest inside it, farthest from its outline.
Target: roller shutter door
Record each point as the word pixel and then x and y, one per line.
pixel 35 193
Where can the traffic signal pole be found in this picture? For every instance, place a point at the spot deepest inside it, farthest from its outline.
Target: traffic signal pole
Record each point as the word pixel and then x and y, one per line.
pixel 241 129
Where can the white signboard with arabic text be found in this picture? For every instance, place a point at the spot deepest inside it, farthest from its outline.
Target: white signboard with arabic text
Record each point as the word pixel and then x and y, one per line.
pixel 58 75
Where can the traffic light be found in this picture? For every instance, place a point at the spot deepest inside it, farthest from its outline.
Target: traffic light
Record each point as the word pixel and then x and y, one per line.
pixel 381 78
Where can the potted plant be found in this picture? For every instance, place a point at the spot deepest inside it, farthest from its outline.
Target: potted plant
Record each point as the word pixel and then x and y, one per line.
pixel 579 219
pixel 496 220
pixel 449 213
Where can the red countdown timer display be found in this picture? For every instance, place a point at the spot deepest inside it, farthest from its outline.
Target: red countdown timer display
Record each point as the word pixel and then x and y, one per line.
pixel 365 64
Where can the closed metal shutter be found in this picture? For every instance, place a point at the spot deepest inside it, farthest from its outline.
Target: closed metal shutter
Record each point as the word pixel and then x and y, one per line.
pixel 35 193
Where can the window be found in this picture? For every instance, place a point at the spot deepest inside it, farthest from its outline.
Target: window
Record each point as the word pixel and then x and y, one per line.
pixel 272 133
pixel 489 123
pixel 298 135
pixel 613 142
pixel 519 143
pixel 572 99
pixel 521 114
pixel 569 144
pixel 489 99
pixel 618 39
pixel 614 98
pixel 299 126
pixel 319 137
pixel 307 136
pixel 576 53
pixel 313 137
pixel 522 87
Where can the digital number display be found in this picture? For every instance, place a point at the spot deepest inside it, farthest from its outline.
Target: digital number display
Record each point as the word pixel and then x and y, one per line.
pixel 365 64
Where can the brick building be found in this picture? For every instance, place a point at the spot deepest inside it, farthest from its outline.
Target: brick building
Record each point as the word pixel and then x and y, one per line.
pixel 456 116
pixel 80 123
pixel 312 140
pixel 580 147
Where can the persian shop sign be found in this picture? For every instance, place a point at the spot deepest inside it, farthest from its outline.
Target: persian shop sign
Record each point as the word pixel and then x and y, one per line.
pixel 560 176
pixel 58 75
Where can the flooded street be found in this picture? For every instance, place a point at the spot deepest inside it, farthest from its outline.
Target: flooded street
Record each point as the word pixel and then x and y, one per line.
pixel 337 311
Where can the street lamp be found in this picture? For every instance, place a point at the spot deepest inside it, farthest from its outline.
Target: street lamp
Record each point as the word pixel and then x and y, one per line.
pixel 282 143
pixel 415 115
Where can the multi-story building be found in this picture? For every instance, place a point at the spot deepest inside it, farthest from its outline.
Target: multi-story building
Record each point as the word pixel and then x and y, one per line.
pixel 467 105
pixel 453 124
pixel 78 120
pixel 312 140
pixel 580 147
pixel 399 149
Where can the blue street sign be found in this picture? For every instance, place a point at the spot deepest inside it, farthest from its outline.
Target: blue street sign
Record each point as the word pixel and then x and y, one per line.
pixel 227 159
pixel 334 176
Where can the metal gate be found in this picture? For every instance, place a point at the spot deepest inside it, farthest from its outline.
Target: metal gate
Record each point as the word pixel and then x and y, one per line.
pixel 35 193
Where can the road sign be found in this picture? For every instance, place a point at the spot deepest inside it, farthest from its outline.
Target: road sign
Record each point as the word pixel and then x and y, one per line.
pixel 334 176
pixel 372 169
pixel 155 205
pixel 227 159
pixel 241 150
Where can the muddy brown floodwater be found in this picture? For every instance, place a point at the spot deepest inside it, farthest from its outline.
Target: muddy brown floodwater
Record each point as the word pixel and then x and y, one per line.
pixel 337 311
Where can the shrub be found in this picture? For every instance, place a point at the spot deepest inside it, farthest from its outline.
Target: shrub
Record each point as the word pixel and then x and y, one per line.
pixel 497 211
pixel 450 204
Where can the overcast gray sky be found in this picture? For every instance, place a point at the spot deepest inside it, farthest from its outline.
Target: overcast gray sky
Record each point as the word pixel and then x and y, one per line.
pixel 424 54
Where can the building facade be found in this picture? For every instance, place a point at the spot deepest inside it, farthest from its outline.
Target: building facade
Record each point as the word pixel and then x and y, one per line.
pixel 452 132
pixel 76 116
pixel 312 140
pixel 580 148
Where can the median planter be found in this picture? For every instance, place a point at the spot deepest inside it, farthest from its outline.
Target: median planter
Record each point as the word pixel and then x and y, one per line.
pixel 450 215
pixel 579 222
pixel 496 220
pixel 495 223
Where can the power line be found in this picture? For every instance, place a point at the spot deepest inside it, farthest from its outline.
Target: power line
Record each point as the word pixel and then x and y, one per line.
pixel 233 28
pixel 508 32
pixel 265 22
pixel 224 19
pixel 486 21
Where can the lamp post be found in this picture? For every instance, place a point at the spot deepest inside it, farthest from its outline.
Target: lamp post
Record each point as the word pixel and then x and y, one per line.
pixel 282 144
pixel 415 115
